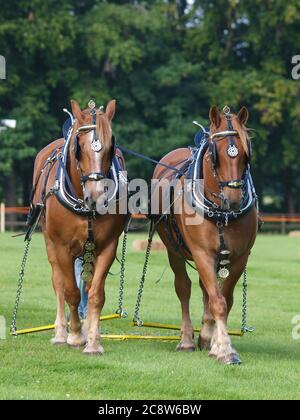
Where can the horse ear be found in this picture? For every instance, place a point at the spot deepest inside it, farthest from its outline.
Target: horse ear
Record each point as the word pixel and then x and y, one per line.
pixel 76 111
pixel 215 116
pixel 111 109
pixel 243 116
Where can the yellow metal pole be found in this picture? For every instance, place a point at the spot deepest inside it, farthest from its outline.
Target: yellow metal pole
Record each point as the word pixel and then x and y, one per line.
pixel 52 326
pixel 140 337
pixel 127 337
pixel 237 333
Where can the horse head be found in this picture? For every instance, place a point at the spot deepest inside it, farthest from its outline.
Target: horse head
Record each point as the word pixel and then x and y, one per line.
pixel 230 153
pixel 94 147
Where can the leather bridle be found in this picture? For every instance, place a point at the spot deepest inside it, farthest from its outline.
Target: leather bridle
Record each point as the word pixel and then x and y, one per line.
pixel 232 151
pixel 96 146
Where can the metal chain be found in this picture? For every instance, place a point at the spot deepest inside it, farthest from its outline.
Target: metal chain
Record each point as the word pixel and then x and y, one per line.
pixel 136 318
pixel 152 229
pixel 120 310
pixel 13 327
pixel 245 328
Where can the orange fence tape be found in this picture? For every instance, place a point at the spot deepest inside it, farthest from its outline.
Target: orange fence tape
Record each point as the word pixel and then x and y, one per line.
pixel 16 210
pixel 278 219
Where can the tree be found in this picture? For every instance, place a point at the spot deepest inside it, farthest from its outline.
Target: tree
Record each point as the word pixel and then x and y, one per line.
pixel 166 62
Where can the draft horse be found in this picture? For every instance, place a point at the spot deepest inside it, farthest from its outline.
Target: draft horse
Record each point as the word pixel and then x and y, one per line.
pixel 221 244
pixel 67 184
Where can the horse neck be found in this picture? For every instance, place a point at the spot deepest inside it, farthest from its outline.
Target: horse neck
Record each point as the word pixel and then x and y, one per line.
pixel 74 172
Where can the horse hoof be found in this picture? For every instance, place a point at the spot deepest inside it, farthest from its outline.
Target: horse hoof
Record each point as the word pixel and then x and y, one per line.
pixel 92 353
pixel 58 341
pixel 186 349
pixel 231 360
pixel 76 341
pixel 75 346
pixel 235 360
pixel 93 350
pixel 212 355
pixel 204 344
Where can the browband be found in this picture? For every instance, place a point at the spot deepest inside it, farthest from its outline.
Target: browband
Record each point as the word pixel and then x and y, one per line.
pixel 86 127
pixel 223 134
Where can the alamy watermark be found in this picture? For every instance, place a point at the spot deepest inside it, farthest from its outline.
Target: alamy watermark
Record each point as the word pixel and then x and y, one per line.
pixel 2 328
pixel 2 67
pixel 296 329
pixel 296 68
pixel 162 198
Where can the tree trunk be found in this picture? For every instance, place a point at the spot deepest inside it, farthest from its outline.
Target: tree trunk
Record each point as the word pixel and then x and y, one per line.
pixel 27 186
pixel 289 201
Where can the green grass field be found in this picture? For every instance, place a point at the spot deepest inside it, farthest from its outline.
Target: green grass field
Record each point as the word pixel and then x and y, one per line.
pixel 33 369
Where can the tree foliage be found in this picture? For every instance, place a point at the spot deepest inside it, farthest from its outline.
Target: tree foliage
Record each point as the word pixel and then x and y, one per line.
pixel 166 62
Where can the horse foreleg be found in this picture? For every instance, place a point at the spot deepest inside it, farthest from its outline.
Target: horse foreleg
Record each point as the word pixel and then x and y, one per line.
pixel 61 332
pixel 208 323
pixel 228 286
pixel 183 290
pixel 96 300
pixel 72 294
pixel 221 345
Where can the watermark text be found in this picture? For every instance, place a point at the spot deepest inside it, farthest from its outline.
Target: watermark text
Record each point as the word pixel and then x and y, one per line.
pixel 2 328
pixel 2 67
pixel 296 68
pixel 296 329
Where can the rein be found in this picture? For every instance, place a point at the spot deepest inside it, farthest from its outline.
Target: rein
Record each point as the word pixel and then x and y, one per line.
pixel 140 155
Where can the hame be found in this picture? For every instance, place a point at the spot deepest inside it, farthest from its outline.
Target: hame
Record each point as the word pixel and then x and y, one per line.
pixel 2 67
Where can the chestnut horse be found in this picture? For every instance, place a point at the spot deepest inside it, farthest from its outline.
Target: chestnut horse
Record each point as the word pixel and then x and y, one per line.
pixel 89 161
pixel 224 165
